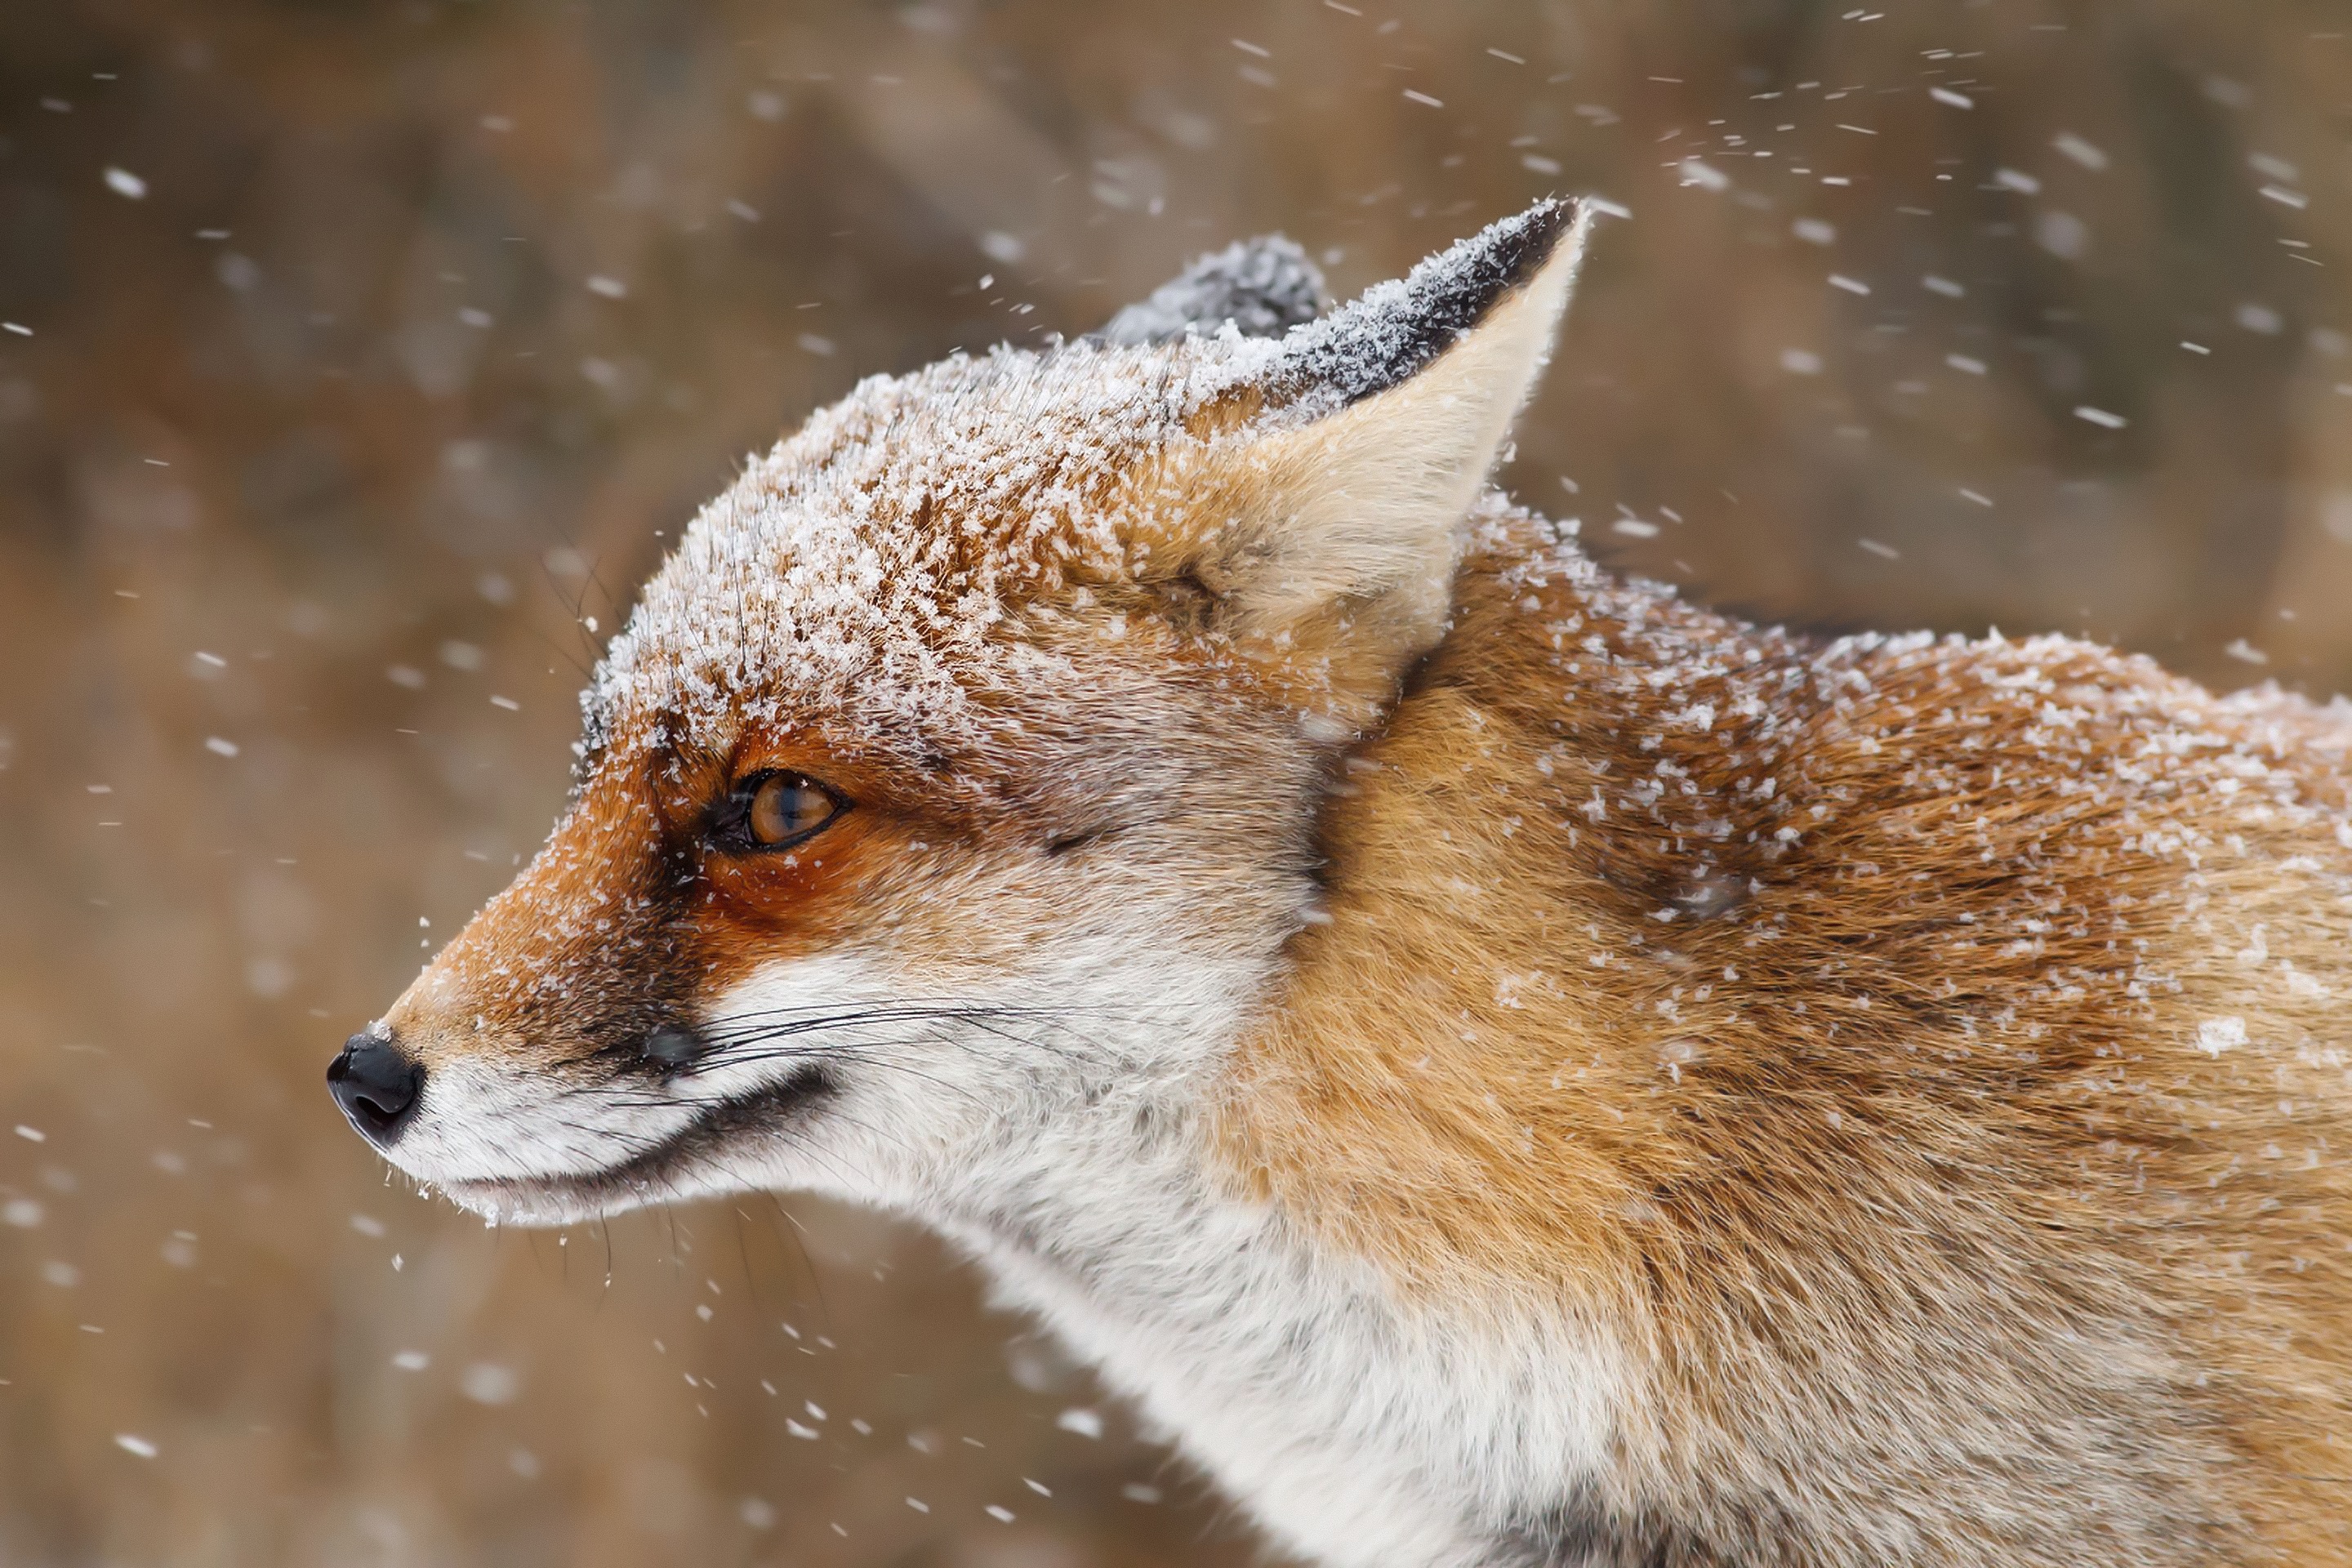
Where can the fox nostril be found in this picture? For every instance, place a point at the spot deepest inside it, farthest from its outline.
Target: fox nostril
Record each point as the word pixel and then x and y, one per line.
pixel 377 1087
pixel 674 1044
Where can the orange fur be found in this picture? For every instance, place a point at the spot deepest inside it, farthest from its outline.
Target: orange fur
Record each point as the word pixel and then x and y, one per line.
pixel 1800 1115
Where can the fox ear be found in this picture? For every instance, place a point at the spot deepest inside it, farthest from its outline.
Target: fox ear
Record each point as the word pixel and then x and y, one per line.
pixel 1263 287
pixel 1338 537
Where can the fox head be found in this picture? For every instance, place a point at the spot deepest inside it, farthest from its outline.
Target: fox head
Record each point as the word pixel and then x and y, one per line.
pixel 957 780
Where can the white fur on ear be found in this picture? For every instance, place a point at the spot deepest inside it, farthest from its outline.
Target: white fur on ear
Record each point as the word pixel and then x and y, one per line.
pixel 1358 515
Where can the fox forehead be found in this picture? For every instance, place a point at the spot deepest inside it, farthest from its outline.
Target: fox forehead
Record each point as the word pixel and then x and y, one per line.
pixel 866 567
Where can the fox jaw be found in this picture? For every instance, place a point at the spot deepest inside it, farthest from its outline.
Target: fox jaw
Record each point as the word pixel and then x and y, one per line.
pixel 948 801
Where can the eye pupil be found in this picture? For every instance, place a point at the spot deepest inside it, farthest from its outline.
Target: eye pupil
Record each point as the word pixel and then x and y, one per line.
pixel 786 806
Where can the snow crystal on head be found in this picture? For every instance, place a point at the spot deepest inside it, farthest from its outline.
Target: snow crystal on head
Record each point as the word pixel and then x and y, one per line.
pixel 859 567
pixel 1263 287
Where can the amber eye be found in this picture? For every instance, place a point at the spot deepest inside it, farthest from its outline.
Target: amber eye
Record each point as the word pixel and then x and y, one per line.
pixel 772 810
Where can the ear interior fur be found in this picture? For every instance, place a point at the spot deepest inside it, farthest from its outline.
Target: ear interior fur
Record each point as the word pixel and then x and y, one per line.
pixel 1340 537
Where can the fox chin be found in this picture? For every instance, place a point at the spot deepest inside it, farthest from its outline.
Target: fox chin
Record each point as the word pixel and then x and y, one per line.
pixel 1503 1067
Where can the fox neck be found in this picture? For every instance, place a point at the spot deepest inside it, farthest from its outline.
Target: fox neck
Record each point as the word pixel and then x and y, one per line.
pixel 1362 1429
pixel 1145 1228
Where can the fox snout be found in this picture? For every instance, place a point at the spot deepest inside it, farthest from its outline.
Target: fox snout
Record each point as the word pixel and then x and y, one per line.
pixel 379 1087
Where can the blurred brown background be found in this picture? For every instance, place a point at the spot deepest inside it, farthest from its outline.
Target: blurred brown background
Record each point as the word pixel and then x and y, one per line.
pixel 361 356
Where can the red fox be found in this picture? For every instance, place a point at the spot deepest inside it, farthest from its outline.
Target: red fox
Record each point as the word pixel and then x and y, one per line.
pixel 1506 1067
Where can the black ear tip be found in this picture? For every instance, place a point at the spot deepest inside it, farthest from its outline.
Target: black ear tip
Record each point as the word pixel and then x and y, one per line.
pixel 1395 329
pixel 1533 235
pixel 1507 252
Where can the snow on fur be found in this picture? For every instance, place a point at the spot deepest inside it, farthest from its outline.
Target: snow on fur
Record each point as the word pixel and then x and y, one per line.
pixel 859 567
pixel 1263 287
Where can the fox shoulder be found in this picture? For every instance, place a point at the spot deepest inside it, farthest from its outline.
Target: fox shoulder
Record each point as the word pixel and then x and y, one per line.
pixel 1843 1002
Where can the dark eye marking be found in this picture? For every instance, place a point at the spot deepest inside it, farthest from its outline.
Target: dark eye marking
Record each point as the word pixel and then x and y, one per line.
pixel 772 810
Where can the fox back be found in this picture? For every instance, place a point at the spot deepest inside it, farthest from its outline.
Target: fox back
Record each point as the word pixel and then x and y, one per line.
pixel 1506 1067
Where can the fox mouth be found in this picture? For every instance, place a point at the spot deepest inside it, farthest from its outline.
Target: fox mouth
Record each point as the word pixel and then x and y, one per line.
pixel 660 1172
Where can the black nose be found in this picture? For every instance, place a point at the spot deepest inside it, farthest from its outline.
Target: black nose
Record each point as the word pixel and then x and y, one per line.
pixel 376 1086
